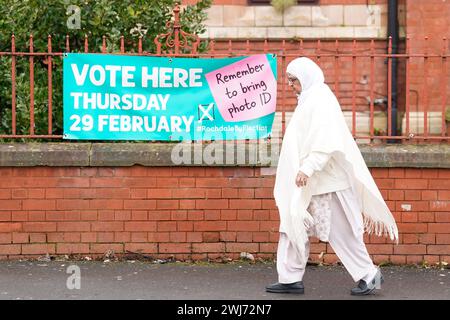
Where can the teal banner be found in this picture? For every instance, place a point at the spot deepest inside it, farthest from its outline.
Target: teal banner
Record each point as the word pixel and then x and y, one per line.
pixel 124 97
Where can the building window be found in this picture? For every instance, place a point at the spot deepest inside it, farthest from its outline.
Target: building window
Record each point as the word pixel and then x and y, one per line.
pixel 268 1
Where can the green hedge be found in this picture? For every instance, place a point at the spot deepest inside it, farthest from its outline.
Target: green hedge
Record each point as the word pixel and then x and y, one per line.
pixel 110 18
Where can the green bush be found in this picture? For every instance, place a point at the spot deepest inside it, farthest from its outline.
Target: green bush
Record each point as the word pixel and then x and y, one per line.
pixel 110 18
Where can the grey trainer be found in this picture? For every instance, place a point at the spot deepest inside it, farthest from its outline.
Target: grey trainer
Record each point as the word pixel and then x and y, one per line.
pixel 364 288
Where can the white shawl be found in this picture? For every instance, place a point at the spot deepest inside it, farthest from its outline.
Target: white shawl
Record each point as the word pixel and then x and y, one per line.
pixel 318 124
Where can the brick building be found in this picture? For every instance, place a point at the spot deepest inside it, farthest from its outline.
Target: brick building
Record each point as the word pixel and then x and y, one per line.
pixel 345 21
pixel 87 198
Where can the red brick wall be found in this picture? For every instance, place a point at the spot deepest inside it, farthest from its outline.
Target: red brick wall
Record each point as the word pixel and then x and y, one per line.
pixel 195 212
pixel 421 93
pixel 428 18
pixel 343 70
pixel 423 18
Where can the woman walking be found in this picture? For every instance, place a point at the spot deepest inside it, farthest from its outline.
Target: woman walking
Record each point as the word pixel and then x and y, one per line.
pixel 323 188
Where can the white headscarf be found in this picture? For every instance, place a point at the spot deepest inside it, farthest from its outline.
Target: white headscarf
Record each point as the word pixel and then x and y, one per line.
pixel 308 73
pixel 319 126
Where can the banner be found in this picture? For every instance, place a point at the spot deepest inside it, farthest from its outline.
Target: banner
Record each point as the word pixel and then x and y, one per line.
pixel 124 97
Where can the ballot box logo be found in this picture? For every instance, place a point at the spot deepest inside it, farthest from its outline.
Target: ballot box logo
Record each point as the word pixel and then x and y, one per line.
pixel 244 90
pixel 206 112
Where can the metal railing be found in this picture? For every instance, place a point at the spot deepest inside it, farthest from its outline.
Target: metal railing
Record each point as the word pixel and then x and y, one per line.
pixel 357 71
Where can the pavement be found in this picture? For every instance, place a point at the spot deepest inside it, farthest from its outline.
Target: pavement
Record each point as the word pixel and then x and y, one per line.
pixel 131 280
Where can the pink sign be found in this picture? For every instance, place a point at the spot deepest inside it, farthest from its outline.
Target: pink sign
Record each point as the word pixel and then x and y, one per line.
pixel 244 90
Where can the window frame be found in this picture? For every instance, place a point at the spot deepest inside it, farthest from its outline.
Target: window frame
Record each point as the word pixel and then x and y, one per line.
pixel 267 2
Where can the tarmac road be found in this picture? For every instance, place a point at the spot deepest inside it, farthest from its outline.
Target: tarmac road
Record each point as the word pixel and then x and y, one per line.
pixel 132 280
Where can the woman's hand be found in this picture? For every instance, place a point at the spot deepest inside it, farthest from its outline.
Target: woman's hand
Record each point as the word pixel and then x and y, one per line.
pixel 301 179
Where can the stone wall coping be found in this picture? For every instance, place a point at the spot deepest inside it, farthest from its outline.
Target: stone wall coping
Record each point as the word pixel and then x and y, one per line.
pixel 93 154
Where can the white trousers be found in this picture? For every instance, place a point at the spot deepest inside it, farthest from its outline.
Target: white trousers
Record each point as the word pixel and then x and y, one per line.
pixel 349 248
